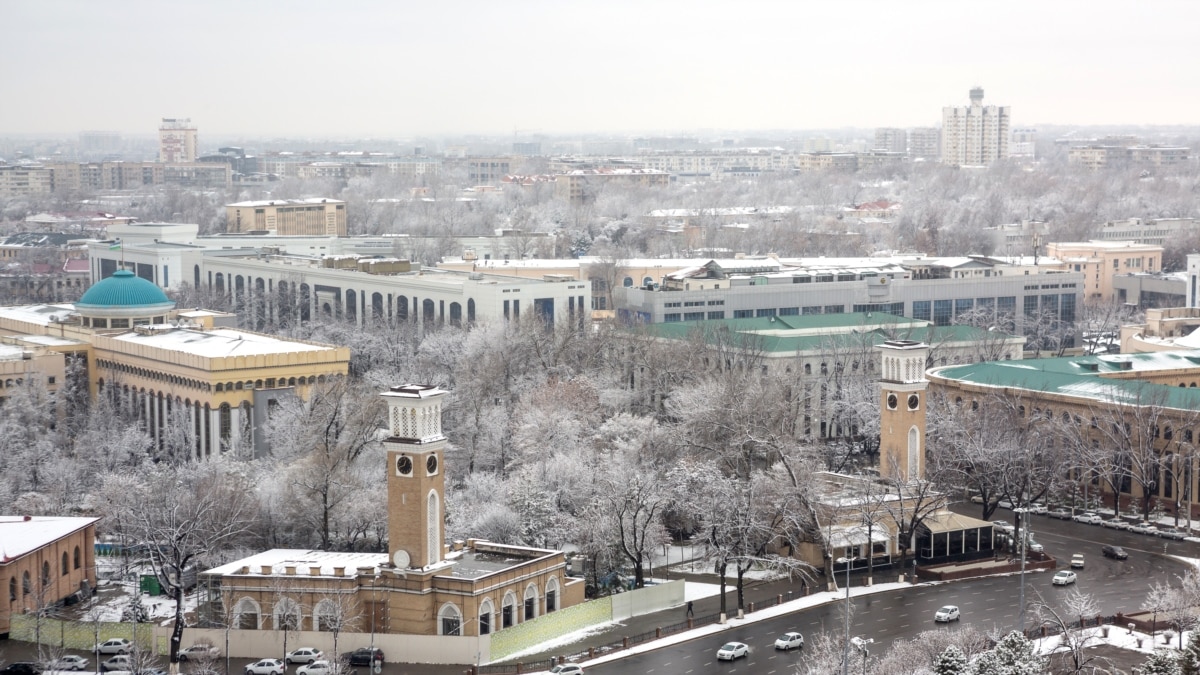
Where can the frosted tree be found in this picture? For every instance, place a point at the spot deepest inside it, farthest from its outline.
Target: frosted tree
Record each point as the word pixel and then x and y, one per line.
pixel 951 662
pixel 1012 655
pixel 1189 658
pixel 1161 662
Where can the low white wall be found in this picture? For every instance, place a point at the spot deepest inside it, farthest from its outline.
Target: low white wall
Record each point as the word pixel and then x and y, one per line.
pixel 258 644
pixel 647 600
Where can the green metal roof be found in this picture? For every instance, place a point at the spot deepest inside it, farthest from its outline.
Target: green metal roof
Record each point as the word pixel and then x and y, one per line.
pixel 123 289
pixel 1084 377
pixel 786 334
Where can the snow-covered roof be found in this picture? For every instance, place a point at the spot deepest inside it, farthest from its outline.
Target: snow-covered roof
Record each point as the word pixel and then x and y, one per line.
pixel 303 560
pixel 220 342
pixel 43 315
pixel 10 352
pixel 286 202
pixel 21 535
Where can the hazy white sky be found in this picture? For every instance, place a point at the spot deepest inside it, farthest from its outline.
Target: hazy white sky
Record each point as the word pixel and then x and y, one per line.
pixel 402 67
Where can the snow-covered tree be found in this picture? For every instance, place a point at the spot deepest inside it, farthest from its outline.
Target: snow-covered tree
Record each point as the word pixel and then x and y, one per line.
pixel 951 662
pixel 1161 662
pixel 1012 655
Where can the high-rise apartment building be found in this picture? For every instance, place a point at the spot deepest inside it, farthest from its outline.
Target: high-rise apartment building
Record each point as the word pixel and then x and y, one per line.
pixel 891 139
pixel 976 134
pixel 176 140
pixel 924 143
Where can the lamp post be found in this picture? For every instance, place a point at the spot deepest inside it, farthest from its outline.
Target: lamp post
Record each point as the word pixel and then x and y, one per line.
pixel 846 645
pixel 1021 511
pixel 861 645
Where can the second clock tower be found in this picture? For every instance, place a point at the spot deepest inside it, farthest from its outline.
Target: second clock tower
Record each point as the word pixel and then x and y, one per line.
pixel 416 479
pixel 902 386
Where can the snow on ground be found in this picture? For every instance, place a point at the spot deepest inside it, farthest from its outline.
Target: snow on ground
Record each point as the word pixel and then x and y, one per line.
pixel 564 640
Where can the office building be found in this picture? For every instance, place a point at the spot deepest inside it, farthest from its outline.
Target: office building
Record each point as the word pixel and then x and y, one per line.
pixel 975 135
pixel 288 217
pixel 1101 261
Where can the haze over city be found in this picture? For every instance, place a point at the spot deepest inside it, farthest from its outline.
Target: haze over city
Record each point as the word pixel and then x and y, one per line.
pixel 393 69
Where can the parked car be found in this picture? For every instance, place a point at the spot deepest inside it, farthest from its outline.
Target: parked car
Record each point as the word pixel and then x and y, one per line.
pixel 1115 523
pixel 977 499
pixel 1172 533
pixel 1004 504
pixel 152 671
pixel 1077 561
pixel 199 651
pixel 21 668
pixel 319 667
pixel 305 655
pixel 1064 577
pixel 117 662
pixel 732 650
pixel 363 656
pixel 1034 547
pixel 1061 514
pixel 71 662
pixel 1089 517
pixel 266 667
pixel 946 614
pixel 1115 552
pixel 1003 526
pixel 114 646
pixel 1144 528
pixel 789 641
pixel 567 669
pixel 1038 508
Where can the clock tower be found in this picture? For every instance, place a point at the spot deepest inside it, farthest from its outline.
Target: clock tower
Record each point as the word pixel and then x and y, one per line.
pixel 416 479
pixel 902 386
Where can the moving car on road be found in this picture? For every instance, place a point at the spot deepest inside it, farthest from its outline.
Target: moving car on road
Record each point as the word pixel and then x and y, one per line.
pixel 114 646
pixel 1114 552
pixel 71 662
pixel 363 656
pixel 789 641
pixel 946 614
pixel 321 667
pixel 732 650
pixel 567 669
pixel 198 651
pixel 1077 561
pixel 1064 577
pixel 305 655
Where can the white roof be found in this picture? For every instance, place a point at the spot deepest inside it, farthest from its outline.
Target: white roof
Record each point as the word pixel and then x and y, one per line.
pixel 43 315
pixel 20 535
pixel 220 342
pixel 303 560
pixel 286 202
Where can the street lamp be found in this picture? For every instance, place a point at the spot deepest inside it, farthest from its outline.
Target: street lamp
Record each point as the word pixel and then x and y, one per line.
pixel 861 645
pixel 1021 521
pixel 846 644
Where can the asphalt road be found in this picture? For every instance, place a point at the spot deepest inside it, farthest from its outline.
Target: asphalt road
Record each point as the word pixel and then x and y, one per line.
pixel 991 602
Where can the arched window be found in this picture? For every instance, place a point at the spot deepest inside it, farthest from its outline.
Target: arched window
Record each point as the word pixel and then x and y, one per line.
pixel 12 589
pixel 552 594
pixel 26 586
pixel 485 616
pixel 327 616
pixel 449 620
pixel 66 564
pixel 287 615
pixel 45 574
pixel 246 613
pixel 647 281
pixel 627 282
pixel 508 610
pixel 914 454
pixel 434 527
pixel 531 602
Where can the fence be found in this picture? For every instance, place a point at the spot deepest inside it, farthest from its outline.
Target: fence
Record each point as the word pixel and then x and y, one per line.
pixel 82 635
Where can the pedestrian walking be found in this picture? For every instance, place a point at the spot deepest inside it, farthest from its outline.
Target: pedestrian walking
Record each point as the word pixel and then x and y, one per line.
pixel 689 611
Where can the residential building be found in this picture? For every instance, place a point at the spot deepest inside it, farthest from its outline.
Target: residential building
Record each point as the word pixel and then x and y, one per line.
pixel 1023 144
pixel 489 170
pixel 177 141
pixel 174 370
pixel 44 561
pixel 917 287
pixel 20 180
pixel 891 139
pixel 1018 239
pixel 288 217
pixel 1146 157
pixel 1100 261
pixel 423 585
pixel 975 135
pixel 827 161
pixel 925 143
pixel 582 186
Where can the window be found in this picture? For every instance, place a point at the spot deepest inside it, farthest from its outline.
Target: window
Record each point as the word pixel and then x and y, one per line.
pixel 789 311
pixel 530 603
pixel 506 611
pixel 921 310
pixel 716 315
pixel 26 586
pixel 743 313
pixel 45 575
pixel 485 617
pixel 449 620
pixel 12 589
pixel 66 564
pixel 671 318
pixel 326 615
pixel 693 316
pixel 770 311
pixel 552 595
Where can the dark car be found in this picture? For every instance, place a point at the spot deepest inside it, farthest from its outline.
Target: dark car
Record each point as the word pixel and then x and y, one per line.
pixel 1115 552
pixel 21 668
pixel 364 656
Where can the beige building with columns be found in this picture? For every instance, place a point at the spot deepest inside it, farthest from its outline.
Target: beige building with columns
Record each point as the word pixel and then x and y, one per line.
pixel 423 585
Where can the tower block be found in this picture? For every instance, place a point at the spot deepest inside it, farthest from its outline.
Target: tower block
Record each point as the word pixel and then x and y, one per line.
pixel 416 477
pixel 902 387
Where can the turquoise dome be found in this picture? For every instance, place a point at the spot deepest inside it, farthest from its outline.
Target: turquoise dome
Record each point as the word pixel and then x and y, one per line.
pixel 123 289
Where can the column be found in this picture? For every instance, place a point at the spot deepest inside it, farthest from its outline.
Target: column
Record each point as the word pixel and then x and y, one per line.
pixel 214 430
pixel 235 427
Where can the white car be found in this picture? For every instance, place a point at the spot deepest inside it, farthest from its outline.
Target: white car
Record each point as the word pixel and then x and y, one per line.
pixel 1037 508
pixel 1077 561
pixel 198 651
pixel 732 650
pixel 1034 547
pixel 305 655
pixel 947 614
pixel 789 641
pixel 1089 518
pixel 1003 526
pixel 1064 577
pixel 71 662
pixel 114 646
pixel 321 667
pixel 266 667
pixel 567 669
pixel 117 662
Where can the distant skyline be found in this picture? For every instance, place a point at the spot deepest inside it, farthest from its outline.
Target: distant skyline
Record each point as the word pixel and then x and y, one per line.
pixel 402 68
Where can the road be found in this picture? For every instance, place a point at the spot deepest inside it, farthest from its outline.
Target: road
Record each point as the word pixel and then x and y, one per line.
pixel 987 603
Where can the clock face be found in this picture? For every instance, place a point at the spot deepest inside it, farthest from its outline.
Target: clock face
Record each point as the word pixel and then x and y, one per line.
pixel 404 465
pixel 431 465
pixel 913 402
pixel 892 401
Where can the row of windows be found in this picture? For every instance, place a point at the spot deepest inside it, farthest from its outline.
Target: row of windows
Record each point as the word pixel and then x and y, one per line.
pixel 27 583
